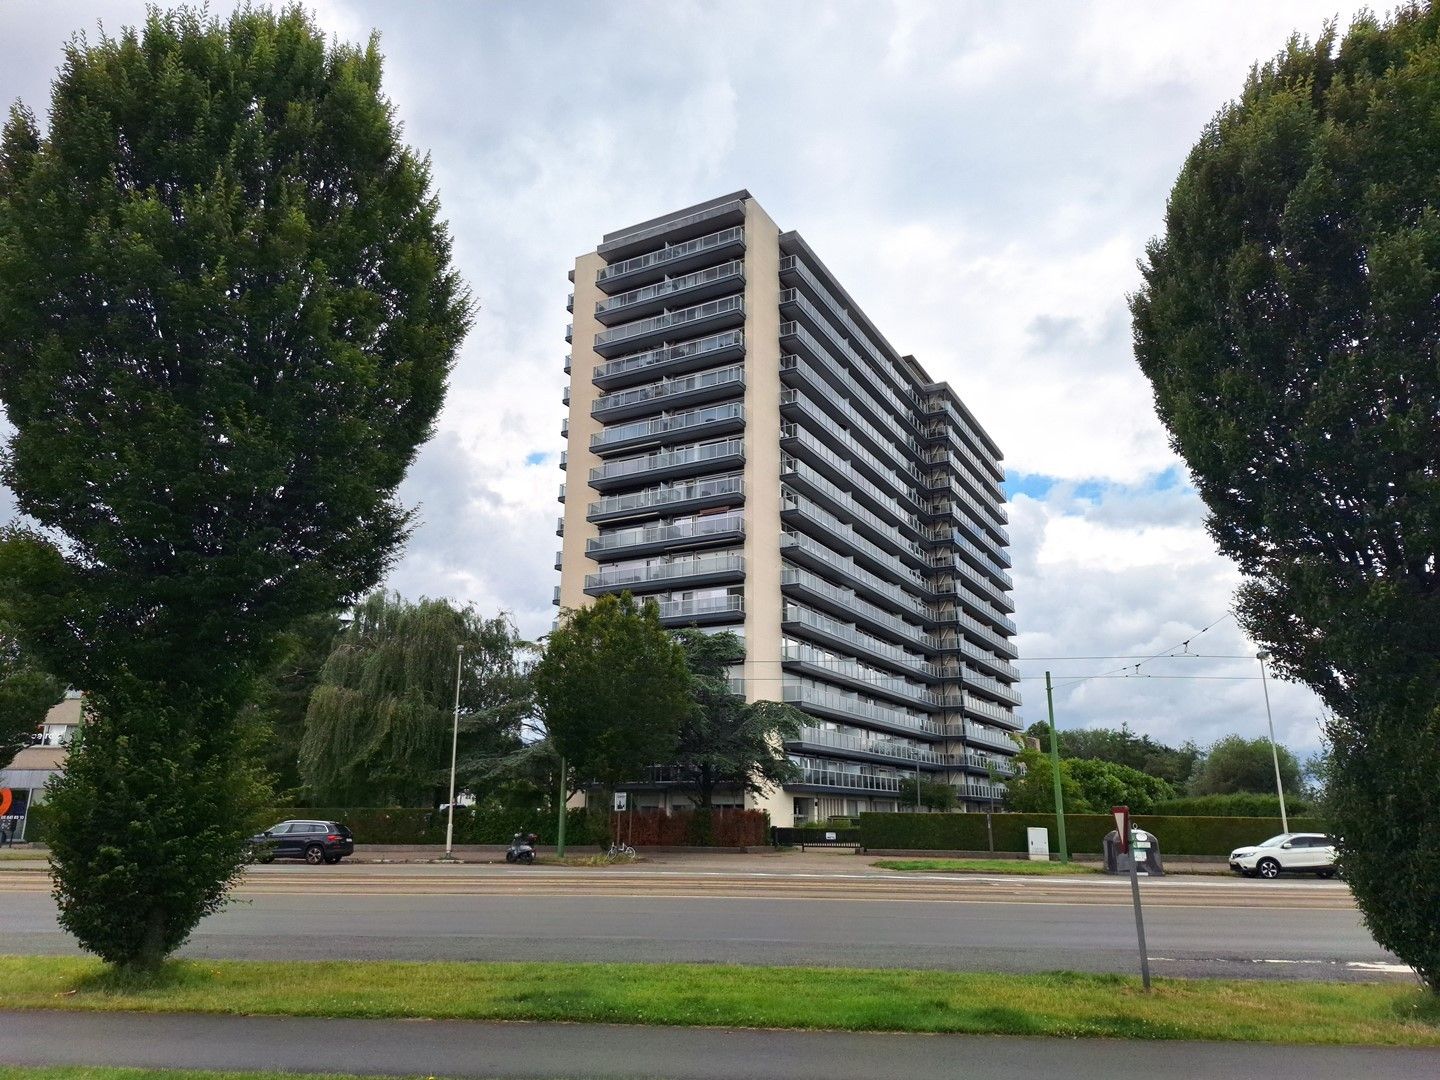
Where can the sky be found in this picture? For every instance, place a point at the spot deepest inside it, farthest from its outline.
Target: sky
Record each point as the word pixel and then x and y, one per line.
pixel 982 177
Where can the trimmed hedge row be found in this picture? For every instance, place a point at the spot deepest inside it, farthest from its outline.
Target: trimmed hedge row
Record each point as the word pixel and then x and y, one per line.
pixel 1240 804
pixel 1083 832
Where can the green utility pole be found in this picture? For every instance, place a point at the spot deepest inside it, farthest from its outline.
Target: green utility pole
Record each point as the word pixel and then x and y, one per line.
pixel 560 828
pixel 1055 773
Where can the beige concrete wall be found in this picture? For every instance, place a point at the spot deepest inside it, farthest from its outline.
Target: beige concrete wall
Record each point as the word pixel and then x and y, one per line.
pixel 762 476
pixel 580 461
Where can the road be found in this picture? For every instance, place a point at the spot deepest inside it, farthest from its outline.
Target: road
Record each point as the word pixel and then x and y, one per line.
pixel 601 1052
pixel 849 915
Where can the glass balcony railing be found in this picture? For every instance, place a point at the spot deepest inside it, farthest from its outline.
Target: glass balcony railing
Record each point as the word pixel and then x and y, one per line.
pixel 850 602
pixel 671 254
pixel 698 607
pixel 663 459
pixel 637 236
pixel 642 328
pixel 849 669
pixel 968 789
pixel 814 736
pixel 890 445
pixel 714 275
pixel 687 352
pixel 983 736
pixel 669 495
pixel 853 637
pixel 852 570
pixel 844 532
pixel 853 705
pixel 733 375
pixel 676 423
pixel 717 525
pixel 675 570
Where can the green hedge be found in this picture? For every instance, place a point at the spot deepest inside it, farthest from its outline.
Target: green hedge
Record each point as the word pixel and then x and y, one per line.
pixel 1083 832
pixel 411 825
pixel 1240 804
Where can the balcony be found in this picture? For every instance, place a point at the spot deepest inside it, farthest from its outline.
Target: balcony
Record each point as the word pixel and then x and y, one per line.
pixel 702 611
pixel 847 708
pixel 673 230
pixel 560 526
pixel 972 628
pixel 670 360
pixel 983 736
pixel 692 423
pixel 807 623
pixel 801 548
pixel 836 780
pixel 673 259
pixel 796 508
pixel 990 711
pixel 988 793
pixel 689 495
pixel 835 668
pixel 669 393
pixel 692 572
pixel 823 739
pixel 1004 692
pixel 689 288
pixel 701 318
pixel 662 464
pixel 652 539
pixel 823 594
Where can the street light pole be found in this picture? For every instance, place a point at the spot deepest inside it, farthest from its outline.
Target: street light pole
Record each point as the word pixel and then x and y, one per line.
pixel 1262 656
pixel 454 746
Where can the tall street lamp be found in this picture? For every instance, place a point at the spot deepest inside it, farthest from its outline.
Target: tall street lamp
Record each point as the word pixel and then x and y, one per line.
pixel 1262 656
pixel 454 745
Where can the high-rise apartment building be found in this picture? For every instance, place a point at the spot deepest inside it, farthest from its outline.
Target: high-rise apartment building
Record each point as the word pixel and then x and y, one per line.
pixel 746 448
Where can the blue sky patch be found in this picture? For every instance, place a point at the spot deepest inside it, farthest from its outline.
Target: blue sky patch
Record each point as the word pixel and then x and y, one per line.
pixel 536 457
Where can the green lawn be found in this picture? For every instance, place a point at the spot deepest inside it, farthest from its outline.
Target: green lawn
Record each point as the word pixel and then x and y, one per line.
pixel 1020 867
pixel 696 994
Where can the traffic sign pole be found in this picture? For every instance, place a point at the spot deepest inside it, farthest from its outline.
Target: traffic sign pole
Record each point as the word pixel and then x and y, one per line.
pixel 1055 775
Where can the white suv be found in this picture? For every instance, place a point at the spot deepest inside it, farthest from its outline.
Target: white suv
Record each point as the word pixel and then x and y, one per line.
pixel 1306 853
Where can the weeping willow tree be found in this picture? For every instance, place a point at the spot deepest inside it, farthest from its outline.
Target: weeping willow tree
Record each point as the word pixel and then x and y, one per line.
pixel 377 729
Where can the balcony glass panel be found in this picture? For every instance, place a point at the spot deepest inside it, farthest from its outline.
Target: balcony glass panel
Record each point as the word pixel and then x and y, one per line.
pixel 805 692
pixel 661 459
pixel 661 425
pixel 733 269
pixel 671 319
pixel 733 375
pixel 666 533
pixel 667 354
pixel 670 494
pixel 869 744
pixel 671 254
pixel 699 566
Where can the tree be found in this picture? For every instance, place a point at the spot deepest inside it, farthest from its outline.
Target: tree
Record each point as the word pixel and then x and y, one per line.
pixel 613 688
pixel 284 697
pixel 934 795
pixel 1088 786
pixel 1122 746
pixel 378 726
pixel 1287 321
pixel 1235 765
pixel 724 740
pixel 227 316
pixel 26 695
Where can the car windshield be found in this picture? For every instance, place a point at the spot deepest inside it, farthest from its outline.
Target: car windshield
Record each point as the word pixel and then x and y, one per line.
pixel 1275 841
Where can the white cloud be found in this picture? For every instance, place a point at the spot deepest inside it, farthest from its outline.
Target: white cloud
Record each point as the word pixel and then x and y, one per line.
pixel 982 177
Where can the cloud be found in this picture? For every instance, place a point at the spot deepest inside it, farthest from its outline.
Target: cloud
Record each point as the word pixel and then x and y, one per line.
pixel 982 177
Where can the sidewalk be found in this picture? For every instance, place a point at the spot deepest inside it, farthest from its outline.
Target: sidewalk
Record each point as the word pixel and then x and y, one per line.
pixel 611 1052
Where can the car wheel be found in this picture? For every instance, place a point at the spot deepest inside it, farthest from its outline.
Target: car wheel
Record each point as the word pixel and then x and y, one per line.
pixel 1329 872
pixel 314 854
pixel 331 860
pixel 1268 869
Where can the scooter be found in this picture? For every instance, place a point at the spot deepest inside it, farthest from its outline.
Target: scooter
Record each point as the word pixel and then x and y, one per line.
pixel 522 849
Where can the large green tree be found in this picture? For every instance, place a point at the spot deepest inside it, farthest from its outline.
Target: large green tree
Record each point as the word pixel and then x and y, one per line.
pixel 1088 786
pixel 1288 321
pixel 1234 764
pixel 613 688
pixel 379 724
pixel 724 740
pixel 284 698
pixel 227 317
pixel 1124 747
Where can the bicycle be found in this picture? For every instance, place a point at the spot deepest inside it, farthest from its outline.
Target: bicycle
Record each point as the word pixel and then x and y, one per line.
pixel 620 850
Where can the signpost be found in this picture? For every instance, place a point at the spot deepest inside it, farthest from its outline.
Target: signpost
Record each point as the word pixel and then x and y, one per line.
pixel 1131 845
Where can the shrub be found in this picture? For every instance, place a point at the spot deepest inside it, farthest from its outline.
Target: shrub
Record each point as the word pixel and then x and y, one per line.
pixel 1238 804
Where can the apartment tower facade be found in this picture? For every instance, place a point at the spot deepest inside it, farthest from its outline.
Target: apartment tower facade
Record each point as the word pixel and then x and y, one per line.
pixel 746 448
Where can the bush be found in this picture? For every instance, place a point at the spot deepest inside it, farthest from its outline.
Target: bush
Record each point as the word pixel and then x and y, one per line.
pixel 1239 804
pixel 1084 832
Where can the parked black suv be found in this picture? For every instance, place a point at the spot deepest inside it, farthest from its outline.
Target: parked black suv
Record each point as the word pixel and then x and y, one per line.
pixel 314 841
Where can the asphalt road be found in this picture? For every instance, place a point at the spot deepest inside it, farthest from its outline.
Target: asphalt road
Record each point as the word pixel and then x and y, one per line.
pixel 457 1049
pixel 861 918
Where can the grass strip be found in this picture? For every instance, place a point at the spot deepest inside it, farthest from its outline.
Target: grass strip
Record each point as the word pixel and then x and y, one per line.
pixel 1058 1004
pixel 1018 867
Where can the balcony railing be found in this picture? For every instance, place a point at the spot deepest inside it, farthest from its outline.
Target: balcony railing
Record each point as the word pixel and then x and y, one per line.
pixel 847 669
pixel 976 733
pixel 854 638
pixel 671 254
pixel 658 324
pixel 697 607
pixel 813 736
pixel 851 603
pixel 847 566
pixel 847 780
pixel 668 388
pixel 655 498
pixel 607 310
pixel 688 354
pixel 678 569
pixel 663 459
pixel 717 525
pixel 681 423
pixel 852 705
pixel 986 792
pixel 636 236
